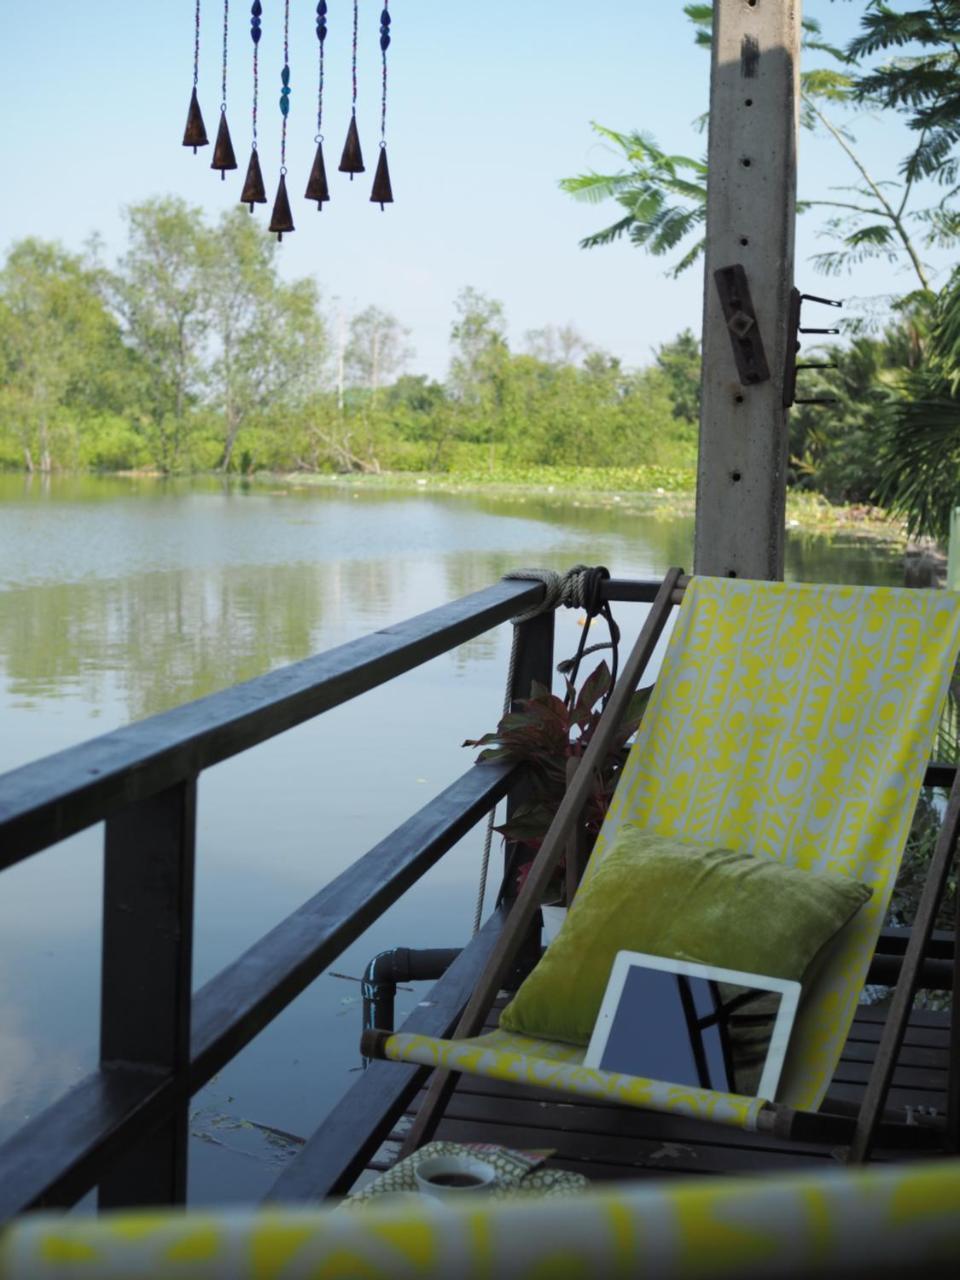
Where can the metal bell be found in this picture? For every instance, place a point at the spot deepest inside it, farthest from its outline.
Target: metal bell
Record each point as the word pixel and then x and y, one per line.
pixel 195 134
pixel 253 191
pixel 223 157
pixel 282 219
pixel 382 192
pixel 317 188
pixel 352 159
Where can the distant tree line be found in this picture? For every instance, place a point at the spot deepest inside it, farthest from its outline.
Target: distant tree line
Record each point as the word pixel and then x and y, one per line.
pixel 191 352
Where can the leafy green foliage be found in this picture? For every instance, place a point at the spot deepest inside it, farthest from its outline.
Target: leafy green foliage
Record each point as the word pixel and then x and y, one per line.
pixel 63 366
pixel 925 85
pixel 192 353
pixel 919 447
pixel 663 197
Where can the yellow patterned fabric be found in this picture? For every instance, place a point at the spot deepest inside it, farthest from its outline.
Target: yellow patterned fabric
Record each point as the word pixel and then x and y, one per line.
pixel 790 721
pixel 883 1221
pixel 501 1055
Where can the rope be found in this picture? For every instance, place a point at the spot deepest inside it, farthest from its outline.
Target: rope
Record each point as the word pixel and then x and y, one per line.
pixel 578 588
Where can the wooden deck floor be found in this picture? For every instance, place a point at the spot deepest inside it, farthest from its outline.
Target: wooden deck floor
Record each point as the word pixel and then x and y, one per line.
pixel 609 1142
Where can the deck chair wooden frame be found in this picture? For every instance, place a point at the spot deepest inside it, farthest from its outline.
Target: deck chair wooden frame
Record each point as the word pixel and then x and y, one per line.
pixel 857 1132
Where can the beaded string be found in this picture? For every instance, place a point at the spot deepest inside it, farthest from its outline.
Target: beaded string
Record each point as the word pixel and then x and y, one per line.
pixel 223 78
pixel 256 11
pixel 285 86
pixel 196 45
pixel 384 46
pixel 356 23
pixel 321 38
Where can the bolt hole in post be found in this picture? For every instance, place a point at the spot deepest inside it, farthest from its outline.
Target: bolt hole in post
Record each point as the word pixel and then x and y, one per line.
pixel 731 573
pixel 744 240
pixel 735 477
pixel 745 162
pixel 748 102
pixel 738 399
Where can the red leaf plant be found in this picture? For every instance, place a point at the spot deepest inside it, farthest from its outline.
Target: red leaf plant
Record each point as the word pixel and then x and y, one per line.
pixel 544 733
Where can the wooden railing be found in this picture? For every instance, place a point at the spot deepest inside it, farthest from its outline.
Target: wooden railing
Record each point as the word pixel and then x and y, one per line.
pixel 123 1129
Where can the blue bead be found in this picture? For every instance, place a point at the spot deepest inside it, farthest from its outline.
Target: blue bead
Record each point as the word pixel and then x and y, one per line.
pixel 256 8
pixel 385 18
pixel 322 9
pixel 284 106
pixel 255 34
pixel 384 42
pixel 285 75
pixel 321 33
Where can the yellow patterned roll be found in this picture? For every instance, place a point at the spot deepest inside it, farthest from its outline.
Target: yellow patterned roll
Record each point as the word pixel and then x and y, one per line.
pixel 888 1221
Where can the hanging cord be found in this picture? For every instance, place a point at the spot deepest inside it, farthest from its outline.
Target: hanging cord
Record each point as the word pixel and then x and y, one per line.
pixel 321 40
pixel 256 30
pixel 223 78
pixel 285 87
pixel 578 588
pixel 384 46
pixel 196 44
pixel 356 28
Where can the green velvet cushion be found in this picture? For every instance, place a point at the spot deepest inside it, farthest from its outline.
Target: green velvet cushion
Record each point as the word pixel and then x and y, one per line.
pixel 684 901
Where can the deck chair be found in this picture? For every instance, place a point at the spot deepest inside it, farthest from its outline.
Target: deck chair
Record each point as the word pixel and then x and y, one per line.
pixel 791 721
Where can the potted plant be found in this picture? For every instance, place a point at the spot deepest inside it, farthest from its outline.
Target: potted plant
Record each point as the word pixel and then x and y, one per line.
pixel 549 734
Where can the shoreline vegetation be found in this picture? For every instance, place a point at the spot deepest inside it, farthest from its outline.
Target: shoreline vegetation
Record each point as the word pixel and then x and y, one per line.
pixel 653 490
pixel 190 355
pixel 598 488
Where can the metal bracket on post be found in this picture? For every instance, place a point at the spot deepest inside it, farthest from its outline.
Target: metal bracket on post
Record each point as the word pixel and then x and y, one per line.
pixel 741 318
pixel 794 330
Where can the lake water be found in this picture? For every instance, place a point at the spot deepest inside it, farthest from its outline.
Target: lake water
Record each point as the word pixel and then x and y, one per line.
pixel 121 598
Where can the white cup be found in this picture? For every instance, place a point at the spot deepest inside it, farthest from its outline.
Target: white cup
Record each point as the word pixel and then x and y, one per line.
pixel 443 1176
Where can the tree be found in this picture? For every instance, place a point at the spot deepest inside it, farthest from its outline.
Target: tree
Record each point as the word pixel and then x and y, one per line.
pixel 919 444
pixel 924 86
pixel 664 196
pixel 480 356
pixel 556 344
pixel 378 349
pixel 60 351
pixel 679 361
pixel 160 292
pixel 269 341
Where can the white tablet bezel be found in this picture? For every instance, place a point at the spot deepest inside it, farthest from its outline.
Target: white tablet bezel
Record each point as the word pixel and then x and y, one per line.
pixel 788 991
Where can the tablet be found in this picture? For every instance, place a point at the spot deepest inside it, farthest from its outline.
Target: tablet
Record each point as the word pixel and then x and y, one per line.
pixel 694 1024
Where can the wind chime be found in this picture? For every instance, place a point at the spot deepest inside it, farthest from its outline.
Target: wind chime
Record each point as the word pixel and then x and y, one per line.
pixel 382 193
pixel 282 219
pixel 317 188
pixel 223 157
pixel 254 191
pixel 351 160
pixel 195 134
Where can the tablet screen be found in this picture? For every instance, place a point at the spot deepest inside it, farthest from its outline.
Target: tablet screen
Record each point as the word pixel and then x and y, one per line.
pixel 690 1029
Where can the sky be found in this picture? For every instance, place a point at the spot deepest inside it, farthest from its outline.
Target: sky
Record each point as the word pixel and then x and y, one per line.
pixel 490 105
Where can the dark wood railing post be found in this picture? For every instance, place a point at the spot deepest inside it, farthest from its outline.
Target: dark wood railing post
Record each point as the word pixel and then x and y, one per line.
pixel 534 661
pixel 148 888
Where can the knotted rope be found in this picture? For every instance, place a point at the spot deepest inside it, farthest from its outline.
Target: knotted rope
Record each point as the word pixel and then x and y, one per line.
pixel 578 588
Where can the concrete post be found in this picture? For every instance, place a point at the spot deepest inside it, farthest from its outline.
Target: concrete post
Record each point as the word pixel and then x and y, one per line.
pixel 953 552
pixel 751 206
